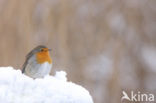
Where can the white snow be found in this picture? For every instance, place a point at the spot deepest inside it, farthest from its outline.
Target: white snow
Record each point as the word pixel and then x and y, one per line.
pixel 16 87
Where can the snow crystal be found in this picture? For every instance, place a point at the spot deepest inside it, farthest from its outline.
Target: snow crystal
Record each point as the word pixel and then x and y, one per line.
pixel 16 87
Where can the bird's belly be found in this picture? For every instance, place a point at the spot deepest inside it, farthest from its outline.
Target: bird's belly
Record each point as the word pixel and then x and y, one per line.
pixel 38 70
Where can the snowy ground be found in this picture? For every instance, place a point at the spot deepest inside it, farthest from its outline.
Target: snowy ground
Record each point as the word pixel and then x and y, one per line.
pixel 18 88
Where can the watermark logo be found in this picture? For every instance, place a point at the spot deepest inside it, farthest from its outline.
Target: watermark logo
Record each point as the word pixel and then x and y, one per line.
pixel 137 96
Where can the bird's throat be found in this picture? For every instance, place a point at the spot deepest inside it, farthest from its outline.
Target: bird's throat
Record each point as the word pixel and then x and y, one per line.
pixel 43 57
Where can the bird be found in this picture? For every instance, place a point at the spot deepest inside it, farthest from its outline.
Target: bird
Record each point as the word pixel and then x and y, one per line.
pixel 38 62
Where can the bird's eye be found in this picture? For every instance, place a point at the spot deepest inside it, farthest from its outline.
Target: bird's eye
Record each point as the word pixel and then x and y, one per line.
pixel 42 50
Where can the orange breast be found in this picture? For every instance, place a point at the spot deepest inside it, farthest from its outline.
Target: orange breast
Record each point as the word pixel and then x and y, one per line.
pixel 43 57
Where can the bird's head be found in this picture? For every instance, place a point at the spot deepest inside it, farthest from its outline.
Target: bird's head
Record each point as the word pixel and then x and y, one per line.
pixel 42 54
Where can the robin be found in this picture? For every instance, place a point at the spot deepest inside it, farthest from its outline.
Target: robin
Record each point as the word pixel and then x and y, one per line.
pixel 38 62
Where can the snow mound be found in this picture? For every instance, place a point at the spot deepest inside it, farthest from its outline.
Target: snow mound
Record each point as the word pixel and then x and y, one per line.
pixel 16 87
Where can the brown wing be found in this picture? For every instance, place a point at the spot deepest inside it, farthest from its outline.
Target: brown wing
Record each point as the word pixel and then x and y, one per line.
pixel 26 61
pixel 24 66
